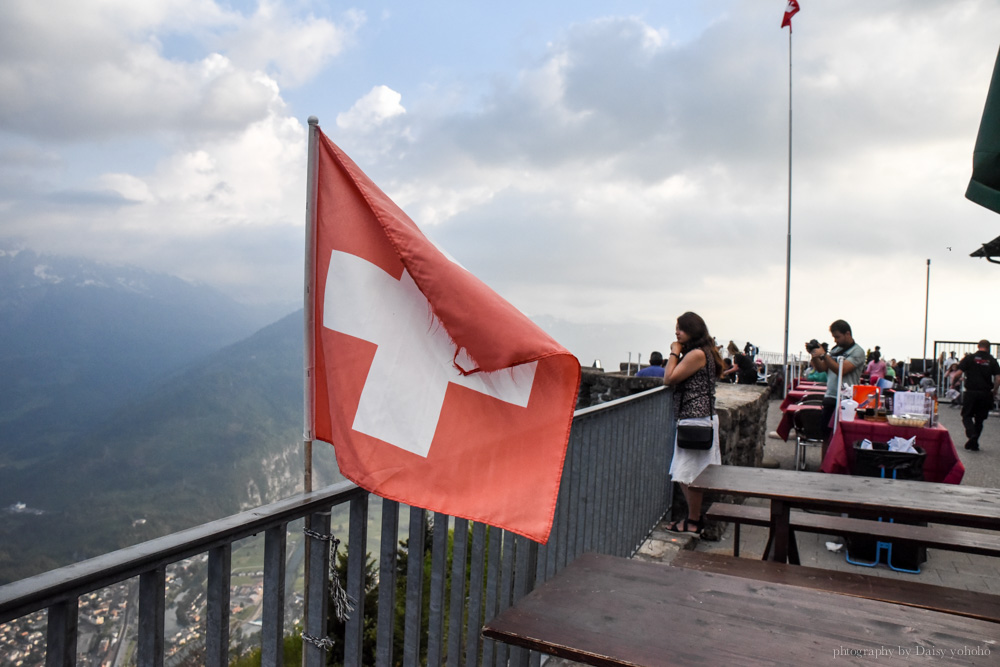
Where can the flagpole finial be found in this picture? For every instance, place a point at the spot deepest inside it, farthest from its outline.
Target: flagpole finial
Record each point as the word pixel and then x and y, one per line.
pixel 313 120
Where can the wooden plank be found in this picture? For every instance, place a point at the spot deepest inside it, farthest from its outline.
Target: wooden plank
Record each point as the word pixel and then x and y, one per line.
pixel 972 604
pixel 927 501
pixel 605 610
pixel 939 537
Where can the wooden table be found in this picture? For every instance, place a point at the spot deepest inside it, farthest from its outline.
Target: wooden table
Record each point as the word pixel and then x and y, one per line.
pixel 605 610
pixel 950 504
pixel 941 463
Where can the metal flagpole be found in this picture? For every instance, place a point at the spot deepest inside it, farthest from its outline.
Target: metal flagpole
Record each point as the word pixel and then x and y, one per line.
pixel 309 305
pixel 927 300
pixel 788 242
pixel 309 357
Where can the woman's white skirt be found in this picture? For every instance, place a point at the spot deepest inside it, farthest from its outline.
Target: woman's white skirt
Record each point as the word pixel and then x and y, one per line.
pixel 688 463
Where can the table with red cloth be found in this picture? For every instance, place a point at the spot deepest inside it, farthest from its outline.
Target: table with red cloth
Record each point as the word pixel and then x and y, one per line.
pixel 941 463
pixel 788 417
pixel 796 395
pixel 807 384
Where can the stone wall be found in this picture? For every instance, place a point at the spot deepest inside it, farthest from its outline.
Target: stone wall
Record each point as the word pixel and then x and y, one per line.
pixel 742 412
pixel 598 387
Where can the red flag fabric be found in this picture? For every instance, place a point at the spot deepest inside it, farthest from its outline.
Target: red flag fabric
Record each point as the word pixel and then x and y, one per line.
pixel 433 390
pixel 791 9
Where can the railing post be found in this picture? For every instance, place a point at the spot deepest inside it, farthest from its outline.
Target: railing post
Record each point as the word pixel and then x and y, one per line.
pixel 436 603
pixel 477 575
pixel 504 601
pixel 315 634
pixel 494 538
pixel 524 581
pixel 272 649
pixel 414 587
pixel 152 591
pixel 357 566
pixel 220 565
pixel 61 635
pixel 456 606
pixel 387 583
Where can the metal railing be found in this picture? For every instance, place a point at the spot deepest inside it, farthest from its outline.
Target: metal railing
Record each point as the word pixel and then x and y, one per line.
pixel 614 490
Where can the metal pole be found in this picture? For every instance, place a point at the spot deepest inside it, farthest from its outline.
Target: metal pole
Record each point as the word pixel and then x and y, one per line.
pixel 309 306
pixel 927 300
pixel 788 242
pixel 309 362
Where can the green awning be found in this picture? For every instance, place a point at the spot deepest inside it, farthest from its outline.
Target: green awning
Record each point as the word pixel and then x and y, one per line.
pixel 984 187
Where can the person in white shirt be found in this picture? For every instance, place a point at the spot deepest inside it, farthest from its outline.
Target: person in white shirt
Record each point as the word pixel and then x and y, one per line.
pixel 950 361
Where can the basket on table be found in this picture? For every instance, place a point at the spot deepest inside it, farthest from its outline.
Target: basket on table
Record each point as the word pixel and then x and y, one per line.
pixel 911 420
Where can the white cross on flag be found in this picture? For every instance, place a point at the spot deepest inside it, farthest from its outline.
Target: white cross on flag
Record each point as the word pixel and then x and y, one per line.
pixel 433 390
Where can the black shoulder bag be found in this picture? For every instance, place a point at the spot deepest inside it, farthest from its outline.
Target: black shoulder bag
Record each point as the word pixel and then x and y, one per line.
pixel 697 436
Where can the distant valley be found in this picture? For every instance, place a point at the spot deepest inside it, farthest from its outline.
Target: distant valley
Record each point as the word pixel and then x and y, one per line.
pixel 134 405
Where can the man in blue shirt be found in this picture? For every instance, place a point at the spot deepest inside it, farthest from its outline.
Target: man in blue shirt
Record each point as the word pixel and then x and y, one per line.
pixel 655 368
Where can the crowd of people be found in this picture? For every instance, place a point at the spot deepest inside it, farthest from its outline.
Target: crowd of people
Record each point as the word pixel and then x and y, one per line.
pixel 738 366
pixel 972 381
pixel 696 362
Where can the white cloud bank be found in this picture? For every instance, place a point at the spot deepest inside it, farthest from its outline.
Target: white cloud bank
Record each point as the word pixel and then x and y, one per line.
pixel 618 173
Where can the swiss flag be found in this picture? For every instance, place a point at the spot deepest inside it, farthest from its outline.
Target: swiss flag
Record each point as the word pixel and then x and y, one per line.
pixel 433 390
pixel 791 9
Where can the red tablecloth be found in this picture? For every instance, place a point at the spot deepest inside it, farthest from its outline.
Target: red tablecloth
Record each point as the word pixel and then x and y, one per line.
pixel 796 395
pixel 806 384
pixel 788 415
pixel 941 464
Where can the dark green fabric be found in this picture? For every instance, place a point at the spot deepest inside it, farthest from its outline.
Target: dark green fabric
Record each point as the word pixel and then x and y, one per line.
pixel 984 187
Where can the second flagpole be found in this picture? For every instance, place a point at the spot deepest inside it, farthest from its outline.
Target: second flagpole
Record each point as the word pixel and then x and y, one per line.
pixel 788 243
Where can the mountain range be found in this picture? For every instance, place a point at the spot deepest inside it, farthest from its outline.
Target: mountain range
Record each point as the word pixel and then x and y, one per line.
pixel 134 405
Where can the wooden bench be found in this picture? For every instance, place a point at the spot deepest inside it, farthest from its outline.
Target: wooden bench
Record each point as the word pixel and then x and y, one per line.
pixel 938 537
pixel 907 592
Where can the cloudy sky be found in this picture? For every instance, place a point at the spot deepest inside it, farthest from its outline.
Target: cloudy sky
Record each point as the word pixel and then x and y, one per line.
pixel 604 166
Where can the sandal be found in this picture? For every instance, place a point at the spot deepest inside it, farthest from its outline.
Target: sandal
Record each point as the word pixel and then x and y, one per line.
pixel 693 523
pixel 677 526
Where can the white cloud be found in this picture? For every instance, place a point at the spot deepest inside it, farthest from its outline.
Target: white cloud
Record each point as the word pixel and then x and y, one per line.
pixel 94 70
pixel 623 175
pixel 371 111
pixel 617 174
pixel 296 49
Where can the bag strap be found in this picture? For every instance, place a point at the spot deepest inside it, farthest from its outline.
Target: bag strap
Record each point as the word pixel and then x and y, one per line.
pixel 711 384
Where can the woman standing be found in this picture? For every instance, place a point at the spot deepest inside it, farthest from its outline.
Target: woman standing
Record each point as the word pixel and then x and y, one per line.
pixel 745 371
pixel 876 368
pixel 692 368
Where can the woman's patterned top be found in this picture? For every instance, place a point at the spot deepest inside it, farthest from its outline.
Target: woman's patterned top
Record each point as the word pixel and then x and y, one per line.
pixel 695 396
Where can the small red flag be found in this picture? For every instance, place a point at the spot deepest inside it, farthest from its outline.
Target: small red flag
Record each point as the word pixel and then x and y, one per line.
pixel 791 9
pixel 433 390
